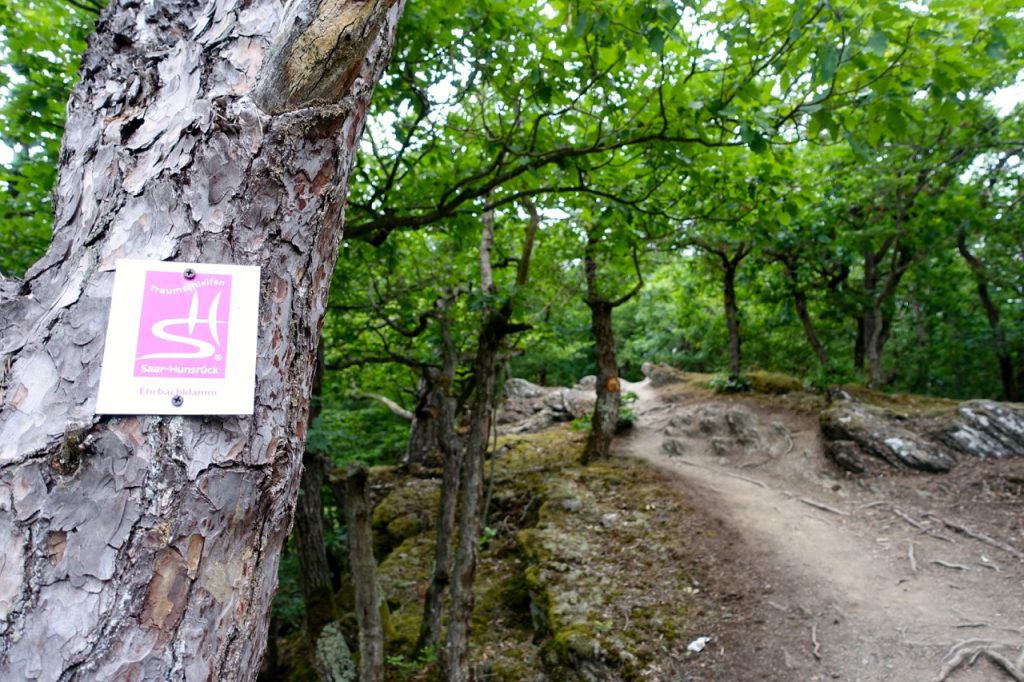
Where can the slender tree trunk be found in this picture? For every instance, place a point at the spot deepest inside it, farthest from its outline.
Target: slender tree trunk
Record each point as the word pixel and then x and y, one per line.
pixel 800 303
pixel 314 573
pixel 858 345
pixel 495 327
pixel 308 531
pixel 609 390
pixel 147 548
pixel 456 654
pixel 923 353
pixel 810 333
pixel 732 317
pixel 874 341
pixel 878 290
pixel 364 574
pixel 605 417
pixel 1007 374
pixel 451 448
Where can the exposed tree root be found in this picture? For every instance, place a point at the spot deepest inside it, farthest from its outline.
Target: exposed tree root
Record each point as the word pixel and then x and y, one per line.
pixel 906 517
pixel 968 652
pixel 823 507
pixel 981 537
pixel 940 562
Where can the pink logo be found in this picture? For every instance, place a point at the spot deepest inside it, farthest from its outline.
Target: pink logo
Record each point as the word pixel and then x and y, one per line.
pixel 183 332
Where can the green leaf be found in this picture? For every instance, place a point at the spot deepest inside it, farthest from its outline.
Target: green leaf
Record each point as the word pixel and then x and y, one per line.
pixel 656 40
pixel 896 121
pixel 753 139
pixel 878 43
pixel 950 112
pixel 997 45
pixel 579 27
pixel 828 63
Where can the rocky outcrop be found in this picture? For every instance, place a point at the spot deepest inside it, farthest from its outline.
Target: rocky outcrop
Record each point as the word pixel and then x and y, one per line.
pixel 662 375
pixel 529 408
pixel 987 429
pixel 859 433
pixel 724 430
pixel 875 434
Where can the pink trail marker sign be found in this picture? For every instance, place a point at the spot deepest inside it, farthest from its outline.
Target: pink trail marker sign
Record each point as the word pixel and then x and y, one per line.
pixel 184 326
pixel 181 339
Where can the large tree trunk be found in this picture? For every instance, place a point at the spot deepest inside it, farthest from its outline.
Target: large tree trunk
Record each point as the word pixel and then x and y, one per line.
pixel 424 433
pixel 147 547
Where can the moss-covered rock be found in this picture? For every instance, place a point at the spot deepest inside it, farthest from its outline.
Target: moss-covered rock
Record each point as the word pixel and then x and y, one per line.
pixel 602 573
pixel 580 577
pixel 407 511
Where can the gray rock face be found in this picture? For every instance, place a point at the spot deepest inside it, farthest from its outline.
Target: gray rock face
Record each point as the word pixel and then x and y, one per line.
pixel 662 375
pixel 730 431
pixel 876 434
pixel 528 407
pixel 986 429
pixel 846 454
pixel 857 432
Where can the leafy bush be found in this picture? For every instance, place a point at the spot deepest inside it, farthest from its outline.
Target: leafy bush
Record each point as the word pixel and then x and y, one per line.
pixel 725 383
pixel 822 377
pixel 627 417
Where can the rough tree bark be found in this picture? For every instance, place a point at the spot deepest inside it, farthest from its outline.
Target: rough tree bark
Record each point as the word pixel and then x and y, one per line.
pixel 139 548
pixel 424 433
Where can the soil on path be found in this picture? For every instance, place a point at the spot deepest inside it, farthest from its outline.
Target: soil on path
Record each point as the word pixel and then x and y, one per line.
pixel 819 576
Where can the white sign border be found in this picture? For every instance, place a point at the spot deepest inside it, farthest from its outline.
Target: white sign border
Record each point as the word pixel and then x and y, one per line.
pixel 120 392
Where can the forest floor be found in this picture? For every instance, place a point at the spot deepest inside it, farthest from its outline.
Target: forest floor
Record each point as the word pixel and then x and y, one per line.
pixel 901 577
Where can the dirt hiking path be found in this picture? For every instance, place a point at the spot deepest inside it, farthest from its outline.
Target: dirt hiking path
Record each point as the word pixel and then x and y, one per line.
pixel 818 576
